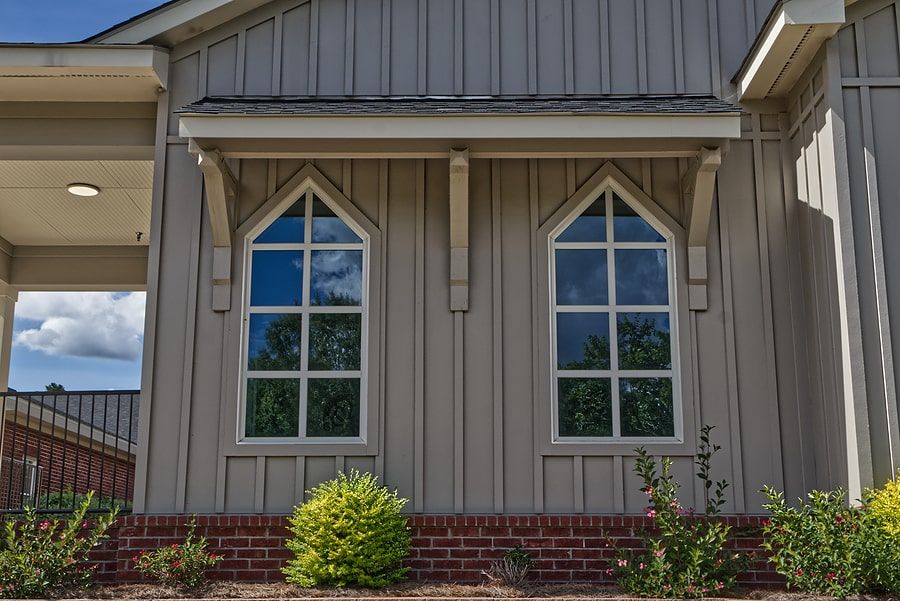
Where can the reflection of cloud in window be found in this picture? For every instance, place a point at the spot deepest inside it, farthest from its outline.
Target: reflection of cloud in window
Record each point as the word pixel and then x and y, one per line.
pixel 581 277
pixel 336 274
pixel 582 340
pixel 641 277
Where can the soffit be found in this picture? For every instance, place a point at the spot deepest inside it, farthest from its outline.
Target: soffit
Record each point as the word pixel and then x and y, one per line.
pixel 36 209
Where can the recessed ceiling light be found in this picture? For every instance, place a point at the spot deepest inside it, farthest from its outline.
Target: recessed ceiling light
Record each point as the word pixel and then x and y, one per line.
pixel 83 189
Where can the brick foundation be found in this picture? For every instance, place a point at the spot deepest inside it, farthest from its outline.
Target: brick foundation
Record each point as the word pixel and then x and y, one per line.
pixel 456 548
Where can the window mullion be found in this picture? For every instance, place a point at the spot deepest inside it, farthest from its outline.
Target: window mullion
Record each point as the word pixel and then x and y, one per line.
pixel 613 321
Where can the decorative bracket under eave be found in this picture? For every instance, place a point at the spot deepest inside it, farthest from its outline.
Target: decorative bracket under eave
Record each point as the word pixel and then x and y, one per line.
pixel 459 230
pixel 221 191
pixel 700 183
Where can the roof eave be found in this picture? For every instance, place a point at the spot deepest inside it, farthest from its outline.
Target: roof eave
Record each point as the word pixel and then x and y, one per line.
pixel 787 43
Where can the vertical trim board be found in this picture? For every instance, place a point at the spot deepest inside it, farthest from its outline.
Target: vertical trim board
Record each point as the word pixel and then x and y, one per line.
pixel 259 489
pixel 419 334
pixel 313 71
pixel 459 434
pixel 349 48
pixel 536 429
pixel 497 334
pixel 604 47
pixel 641 27
pixel 383 166
pixel 532 46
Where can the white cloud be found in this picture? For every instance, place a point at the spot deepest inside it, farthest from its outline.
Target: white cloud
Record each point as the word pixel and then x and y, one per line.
pixel 108 325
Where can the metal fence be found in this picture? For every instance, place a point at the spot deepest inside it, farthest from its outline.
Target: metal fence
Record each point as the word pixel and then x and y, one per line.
pixel 59 446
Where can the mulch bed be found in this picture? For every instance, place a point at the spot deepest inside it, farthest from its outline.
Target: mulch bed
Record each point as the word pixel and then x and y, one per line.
pixel 415 591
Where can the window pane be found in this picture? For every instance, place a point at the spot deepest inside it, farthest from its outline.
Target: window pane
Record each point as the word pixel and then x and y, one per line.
pixel 277 278
pixel 336 277
pixel 274 342
pixel 334 341
pixel 272 407
pixel 590 226
pixel 328 227
pixel 585 407
pixel 646 406
pixel 581 277
pixel 582 340
pixel 644 341
pixel 628 226
pixel 333 407
pixel 288 228
pixel 641 277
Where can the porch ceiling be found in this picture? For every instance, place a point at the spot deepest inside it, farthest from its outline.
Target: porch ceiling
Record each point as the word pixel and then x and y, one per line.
pixel 36 209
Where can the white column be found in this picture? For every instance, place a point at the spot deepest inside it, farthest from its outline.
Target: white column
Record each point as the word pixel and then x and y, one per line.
pixel 8 297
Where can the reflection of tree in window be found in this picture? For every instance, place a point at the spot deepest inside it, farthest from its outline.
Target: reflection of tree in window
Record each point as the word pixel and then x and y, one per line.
pixel 280 347
pixel 585 407
pixel 272 407
pixel 333 407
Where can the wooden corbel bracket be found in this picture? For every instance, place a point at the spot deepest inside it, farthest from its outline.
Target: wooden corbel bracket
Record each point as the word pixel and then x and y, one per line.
pixel 700 185
pixel 221 192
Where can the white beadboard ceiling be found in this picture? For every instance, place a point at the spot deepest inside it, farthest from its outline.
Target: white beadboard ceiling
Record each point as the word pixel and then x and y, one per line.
pixel 36 209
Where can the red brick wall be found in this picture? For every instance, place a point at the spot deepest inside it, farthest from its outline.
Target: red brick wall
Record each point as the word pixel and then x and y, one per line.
pixel 445 547
pixel 63 465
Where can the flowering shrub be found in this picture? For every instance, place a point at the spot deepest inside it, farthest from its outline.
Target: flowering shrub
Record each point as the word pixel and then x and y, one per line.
pixel 180 565
pixel 42 556
pixel 350 533
pixel 824 546
pixel 687 557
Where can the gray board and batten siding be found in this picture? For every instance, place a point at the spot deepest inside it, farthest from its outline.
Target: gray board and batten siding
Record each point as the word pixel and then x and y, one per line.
pixel 477 448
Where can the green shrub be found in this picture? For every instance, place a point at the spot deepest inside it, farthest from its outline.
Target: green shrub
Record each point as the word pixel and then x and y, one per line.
pixel 512 569
pixel 69 498
pixel 824 546
pixel 180 565
pixel 884 505
pixel 44 556
pixel 686 557
pixel 349 533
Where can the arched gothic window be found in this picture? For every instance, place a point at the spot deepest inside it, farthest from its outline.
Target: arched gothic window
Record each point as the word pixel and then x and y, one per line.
pixel 613 324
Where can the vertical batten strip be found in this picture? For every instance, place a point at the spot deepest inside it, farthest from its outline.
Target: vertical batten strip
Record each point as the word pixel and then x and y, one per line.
pixel 605 58
pixel 202 72
pixel 762 229
pixel 715 75
pixel 678 46
pixel 535 383
pixel 497 335
pixel 241 59
pixel 300 479
pixel 383 167
pixel 277 52
pixel 152 301
pixel 313 72
pixel 641 27
pixel 734 418
pixel 646 177
pixel 458 48
pixel 222 461
pixel 349 47
pixel 569 45
pixel 877 250
pixel 347 178
pixel 422 41
pixel 495 47
pixel 531 15
pixel 459 434
pixel 340 465
pixel 618 484
pixel 419 336
pixel 187 374
pixel 750 16
pixel 259 489
pixel 578 481
pixel 385 47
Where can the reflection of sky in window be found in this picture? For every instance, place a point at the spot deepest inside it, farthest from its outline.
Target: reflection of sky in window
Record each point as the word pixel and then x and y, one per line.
pixel 264 356
pixel 574 331
pixel 590 226
pixel 641 277
pixel 336 277
pixel 288 228
pixel 328 227
pixel 581 277
pixel 277 278
pixel 638 350
pixel 628 226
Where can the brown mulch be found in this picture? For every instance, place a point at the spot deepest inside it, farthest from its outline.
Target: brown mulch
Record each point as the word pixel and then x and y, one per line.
pixel 411 590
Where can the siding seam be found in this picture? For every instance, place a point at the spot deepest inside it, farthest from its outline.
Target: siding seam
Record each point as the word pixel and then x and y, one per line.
pixel 383 167
pixel 536 421
pixel 459 434
pixel 277 52
pixel 349 48
pixel 313 72
pixel 419 334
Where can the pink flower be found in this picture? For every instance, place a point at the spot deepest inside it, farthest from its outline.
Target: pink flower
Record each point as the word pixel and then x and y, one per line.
pixel 659 553
pixel 799 572
pixel 641 566
pixel 44 525
pixel 651 514
pixel 830 576
pixel 176 564
pixel 623 563
pixel 839 519
pixel 720 585
pixel 135 559
pixel 609 572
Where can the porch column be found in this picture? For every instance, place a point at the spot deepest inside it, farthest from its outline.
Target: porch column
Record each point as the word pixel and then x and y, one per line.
pixel 8 297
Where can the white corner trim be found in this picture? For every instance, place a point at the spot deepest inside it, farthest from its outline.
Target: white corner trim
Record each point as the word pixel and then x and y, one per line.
pixel 457 127
pixel 790 41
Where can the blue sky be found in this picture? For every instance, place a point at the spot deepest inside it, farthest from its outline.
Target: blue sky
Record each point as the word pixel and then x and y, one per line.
pixel 64 20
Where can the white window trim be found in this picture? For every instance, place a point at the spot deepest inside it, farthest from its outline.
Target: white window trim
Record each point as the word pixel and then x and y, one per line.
pixel 612 309
pixel 306 189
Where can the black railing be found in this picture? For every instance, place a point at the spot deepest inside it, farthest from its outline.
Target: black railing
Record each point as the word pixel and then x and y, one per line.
pixel 58 446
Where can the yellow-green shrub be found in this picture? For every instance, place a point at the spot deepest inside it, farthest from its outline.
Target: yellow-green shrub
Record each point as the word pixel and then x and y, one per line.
pixel 349 533
pixel 884 505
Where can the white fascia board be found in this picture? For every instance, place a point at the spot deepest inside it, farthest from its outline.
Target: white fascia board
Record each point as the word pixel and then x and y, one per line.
pixel 791 38
pixel 207 14
pixel 461 127
pixel 84 59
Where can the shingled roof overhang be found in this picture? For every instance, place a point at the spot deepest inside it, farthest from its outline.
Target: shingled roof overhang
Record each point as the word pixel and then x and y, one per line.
pixel 488 126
